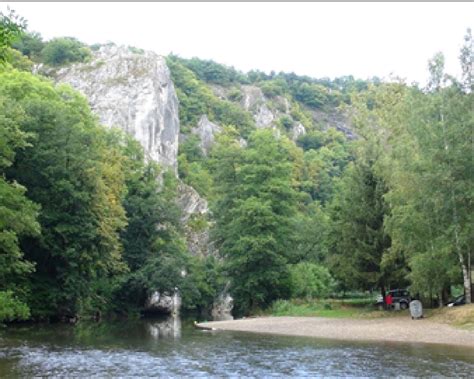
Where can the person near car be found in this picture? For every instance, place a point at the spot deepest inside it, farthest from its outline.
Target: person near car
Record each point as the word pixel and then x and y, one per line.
pixel 389 301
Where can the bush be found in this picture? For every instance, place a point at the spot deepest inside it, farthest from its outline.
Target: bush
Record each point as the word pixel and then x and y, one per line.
pixel 310 280
pixel 281 307
pixel 286 122
pixel 30 44
pixel 60 51
pixel 235 95
pixel 272 88
pixel 11 308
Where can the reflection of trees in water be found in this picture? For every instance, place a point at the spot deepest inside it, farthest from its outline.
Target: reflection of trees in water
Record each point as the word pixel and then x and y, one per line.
pixel 166 328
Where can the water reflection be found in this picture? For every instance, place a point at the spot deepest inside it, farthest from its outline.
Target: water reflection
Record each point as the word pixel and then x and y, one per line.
pixel 167 328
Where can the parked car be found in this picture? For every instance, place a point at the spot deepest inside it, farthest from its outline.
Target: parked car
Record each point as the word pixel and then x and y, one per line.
pixel 460 300
pixel 401 296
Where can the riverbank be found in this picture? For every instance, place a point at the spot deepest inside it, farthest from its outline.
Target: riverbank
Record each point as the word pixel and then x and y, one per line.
pixel 393 329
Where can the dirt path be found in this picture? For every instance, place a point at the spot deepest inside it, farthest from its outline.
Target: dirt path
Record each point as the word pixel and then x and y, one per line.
pixel 400 329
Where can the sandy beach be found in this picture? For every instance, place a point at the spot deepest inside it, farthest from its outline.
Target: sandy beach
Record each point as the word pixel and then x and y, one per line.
pixel 397 329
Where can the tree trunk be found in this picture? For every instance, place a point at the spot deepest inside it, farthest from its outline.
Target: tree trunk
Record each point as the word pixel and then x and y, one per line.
pixel 382 291
pixel 465 271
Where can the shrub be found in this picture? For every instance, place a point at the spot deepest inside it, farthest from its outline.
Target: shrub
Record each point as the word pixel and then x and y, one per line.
pixel 310 280
pixel 60 51
pixel 11 308
pixel 235 95
pixel 285 122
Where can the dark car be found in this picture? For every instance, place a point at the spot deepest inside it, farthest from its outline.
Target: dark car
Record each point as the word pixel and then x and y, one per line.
pixel 460 300
pixel 400 296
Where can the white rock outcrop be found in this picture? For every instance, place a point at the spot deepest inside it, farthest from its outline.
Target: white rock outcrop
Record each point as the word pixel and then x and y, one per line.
pixel 297 131
pixel 206 131
pixel 164 303
pixel 134 92
pixel 254 101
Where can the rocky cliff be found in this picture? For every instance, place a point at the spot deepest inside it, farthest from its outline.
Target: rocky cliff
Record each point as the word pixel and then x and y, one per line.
pixel 133 91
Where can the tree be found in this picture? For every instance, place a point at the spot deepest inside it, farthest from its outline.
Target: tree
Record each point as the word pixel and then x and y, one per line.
pixel 254 213
pixel 358 239
pixel 432 191
pixel 73 171
pixel 18 216
pixel 11 28
pixel 63 50
pixel 30 45
pixel 310 280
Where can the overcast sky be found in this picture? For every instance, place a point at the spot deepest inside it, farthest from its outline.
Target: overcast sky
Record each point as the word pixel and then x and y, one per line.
pixel 316 39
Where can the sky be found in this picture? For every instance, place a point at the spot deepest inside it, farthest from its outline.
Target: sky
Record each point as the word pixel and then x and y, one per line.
pixel 315 39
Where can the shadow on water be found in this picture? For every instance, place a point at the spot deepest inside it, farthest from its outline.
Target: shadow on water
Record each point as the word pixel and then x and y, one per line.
pixel 173 347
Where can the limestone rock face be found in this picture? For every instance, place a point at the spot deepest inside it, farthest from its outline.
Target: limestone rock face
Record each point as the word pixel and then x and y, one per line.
pixel 194 218
pixel 222 306
pixel 164 303
pixel 297 130
pixel 206 131
pixel 134 92
pixel 335 119
pixel 254 102
pixel 190 202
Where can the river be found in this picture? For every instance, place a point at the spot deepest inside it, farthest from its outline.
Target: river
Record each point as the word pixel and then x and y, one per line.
pixel 173 348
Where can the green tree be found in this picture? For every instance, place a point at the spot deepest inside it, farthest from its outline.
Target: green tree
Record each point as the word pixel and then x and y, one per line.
pixel 254 214
pixel 18 216
pixel 310 280
pixel 154 248
pixel 72 171
pixel 432 181
pixel 358 240
pixel 63 50
pixel 30 45
pixel 12 27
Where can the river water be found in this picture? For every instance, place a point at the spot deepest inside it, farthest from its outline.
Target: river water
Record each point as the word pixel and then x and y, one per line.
pixel 173 348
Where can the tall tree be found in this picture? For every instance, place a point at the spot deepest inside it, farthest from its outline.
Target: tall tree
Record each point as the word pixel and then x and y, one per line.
pixel 71 170
pixel 358 239
pixel 12 27
pixel 154 249
pixel 254 214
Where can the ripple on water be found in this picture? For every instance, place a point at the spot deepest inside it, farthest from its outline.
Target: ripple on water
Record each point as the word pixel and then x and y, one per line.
pixel 198 354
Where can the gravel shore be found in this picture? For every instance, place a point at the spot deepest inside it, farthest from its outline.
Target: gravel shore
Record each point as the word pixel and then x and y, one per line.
pixel 399 329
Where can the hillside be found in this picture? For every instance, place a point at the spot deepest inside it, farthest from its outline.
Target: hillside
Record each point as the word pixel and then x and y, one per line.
pixel 149 183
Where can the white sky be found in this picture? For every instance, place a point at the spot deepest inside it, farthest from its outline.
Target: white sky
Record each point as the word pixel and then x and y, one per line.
pixel 315 39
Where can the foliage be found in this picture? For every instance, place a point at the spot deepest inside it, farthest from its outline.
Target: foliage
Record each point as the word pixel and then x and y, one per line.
pixel 30 45
pixel 325 158
pixel 12 27
pixel 72 171
pixel 18 215
pixel 153 246
pixel 254 209
pixel 272 88
pixel 316 308
pixel 285 122
pixel 212 72
pixel 357 237
pixel 310 280
pixel 431 196
pixel 11 308
pixel 196 99
pixel 64 50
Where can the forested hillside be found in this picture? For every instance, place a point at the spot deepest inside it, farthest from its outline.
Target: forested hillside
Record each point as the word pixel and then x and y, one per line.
pixel 315 187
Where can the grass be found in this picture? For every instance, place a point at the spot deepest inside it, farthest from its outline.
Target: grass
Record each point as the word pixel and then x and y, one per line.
pixel 347 308
pixel 460 317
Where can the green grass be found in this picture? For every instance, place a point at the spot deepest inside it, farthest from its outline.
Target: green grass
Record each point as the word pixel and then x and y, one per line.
pixel 321 308
pixel 334 308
